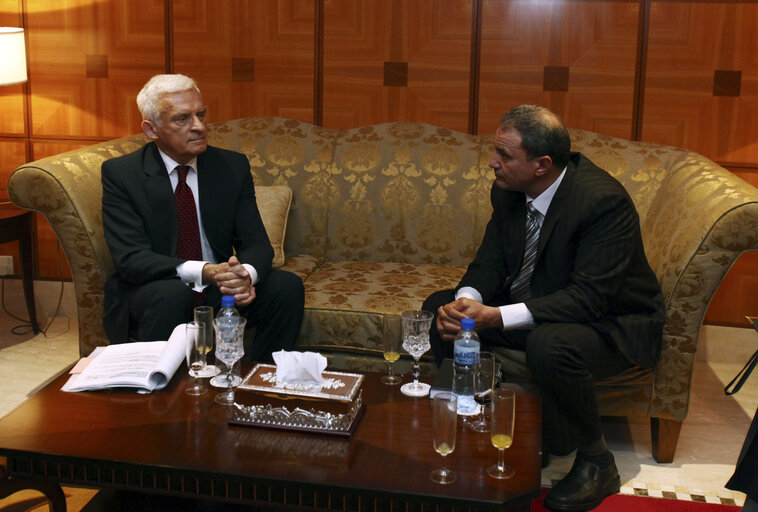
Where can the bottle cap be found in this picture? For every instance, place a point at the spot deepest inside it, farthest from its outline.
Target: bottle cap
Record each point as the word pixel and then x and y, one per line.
pixel 468 324
pixel 227 301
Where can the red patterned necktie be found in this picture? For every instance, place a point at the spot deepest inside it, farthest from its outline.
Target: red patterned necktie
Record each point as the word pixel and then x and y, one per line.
pixel 189 247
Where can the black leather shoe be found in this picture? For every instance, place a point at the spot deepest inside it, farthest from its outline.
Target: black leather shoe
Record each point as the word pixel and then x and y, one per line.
pixel 585 486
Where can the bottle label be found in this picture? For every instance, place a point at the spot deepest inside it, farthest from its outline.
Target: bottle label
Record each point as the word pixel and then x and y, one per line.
pixel 466 355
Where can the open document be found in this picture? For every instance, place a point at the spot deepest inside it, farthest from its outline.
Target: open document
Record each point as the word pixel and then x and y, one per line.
pixel 146 365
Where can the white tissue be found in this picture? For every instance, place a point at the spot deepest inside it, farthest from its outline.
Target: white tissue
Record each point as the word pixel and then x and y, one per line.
pixel 299 367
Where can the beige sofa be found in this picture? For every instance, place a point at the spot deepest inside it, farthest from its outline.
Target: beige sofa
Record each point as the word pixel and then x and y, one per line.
pixel 383 215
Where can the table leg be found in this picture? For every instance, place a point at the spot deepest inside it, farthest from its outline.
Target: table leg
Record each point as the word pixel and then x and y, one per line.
pixel 51 490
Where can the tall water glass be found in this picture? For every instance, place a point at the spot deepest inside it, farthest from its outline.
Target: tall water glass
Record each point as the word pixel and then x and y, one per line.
pixel 391 332
pixel 444 426
pixel 205 314
pixel 195 335
pixel 484 383
pixel 501 430
pixel 229 350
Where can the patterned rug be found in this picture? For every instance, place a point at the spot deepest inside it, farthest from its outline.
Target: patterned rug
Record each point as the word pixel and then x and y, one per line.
pixel 76 498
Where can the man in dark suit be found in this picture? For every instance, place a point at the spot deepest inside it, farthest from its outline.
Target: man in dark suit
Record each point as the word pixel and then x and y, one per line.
pixel 170 254
pixel 583 303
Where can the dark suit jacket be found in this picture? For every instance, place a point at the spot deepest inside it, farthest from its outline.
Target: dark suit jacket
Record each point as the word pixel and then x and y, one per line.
pixel 140 222
pixel 591 266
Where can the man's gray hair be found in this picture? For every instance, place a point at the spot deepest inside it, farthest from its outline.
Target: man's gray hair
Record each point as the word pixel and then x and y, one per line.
pixel 149 97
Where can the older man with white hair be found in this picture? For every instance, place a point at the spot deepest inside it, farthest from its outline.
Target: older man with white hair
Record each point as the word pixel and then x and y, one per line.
pixel 183 227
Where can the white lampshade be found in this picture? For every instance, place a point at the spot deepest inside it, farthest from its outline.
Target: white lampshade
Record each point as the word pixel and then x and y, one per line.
pixel 12 56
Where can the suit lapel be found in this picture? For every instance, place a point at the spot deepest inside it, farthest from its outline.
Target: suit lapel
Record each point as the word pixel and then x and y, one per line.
pixel 160 194
pixel 556 208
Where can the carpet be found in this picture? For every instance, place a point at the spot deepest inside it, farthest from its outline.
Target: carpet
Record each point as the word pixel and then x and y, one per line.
pixel 625 502
pixel 31 501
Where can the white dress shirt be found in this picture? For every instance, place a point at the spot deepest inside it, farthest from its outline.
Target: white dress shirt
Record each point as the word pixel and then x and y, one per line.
pixel 518 316
pixel 191 271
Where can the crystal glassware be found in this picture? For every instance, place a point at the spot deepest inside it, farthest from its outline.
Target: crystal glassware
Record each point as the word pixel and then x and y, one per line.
pixel 501 430
pixel 484 383
pixel 444 426
pixel 391 333
pixel 229 350
pixel 195 334
pixel 416 325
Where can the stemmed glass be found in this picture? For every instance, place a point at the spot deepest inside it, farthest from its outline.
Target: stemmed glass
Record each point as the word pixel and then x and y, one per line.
pixel 501 435
pixel 195 332
pixel 484 383
pixel 205 314
pixel 416 325
pixel 229 350
pixel 391 345
pixel 444 423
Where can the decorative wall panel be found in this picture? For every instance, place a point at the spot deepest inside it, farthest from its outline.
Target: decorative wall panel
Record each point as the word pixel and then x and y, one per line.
pixel 595 40
pixel 249 58
pixel 432 38
pixel 123 42
pixel 691 45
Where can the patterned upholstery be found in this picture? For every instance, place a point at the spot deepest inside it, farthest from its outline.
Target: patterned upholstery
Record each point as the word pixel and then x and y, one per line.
pixel 385 214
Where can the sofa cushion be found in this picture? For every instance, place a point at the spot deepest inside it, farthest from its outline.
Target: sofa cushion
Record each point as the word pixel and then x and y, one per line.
pixel 274 204
pixel 346 301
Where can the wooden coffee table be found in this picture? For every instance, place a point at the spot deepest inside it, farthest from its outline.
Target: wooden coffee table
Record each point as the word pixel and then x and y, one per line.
pixel 168 443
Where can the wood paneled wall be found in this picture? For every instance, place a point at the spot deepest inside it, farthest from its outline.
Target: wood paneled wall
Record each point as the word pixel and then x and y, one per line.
pixel 675 72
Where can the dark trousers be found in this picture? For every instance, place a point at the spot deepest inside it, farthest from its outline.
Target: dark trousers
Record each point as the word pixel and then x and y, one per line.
pixel 745 477
pixel 276 313
pixel 565 359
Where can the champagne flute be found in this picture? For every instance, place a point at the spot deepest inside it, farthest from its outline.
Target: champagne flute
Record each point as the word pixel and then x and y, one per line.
pixel 484 383
pixel 444 423
pixel 501 434
pixel 391 331
pixel 229 350
pixel 416 325
pixel 195 332
pixel 205 314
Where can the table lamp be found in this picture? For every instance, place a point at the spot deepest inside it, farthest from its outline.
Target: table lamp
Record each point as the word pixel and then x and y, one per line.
pixel 13 56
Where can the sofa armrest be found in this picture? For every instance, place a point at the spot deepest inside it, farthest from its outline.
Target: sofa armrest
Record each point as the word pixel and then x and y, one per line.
pixel 701 220
pixel 66 190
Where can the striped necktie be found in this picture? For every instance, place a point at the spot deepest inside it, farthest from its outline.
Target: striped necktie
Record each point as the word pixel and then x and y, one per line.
pixel 520 286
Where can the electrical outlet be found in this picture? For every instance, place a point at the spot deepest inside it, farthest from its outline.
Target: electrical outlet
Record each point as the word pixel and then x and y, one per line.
pixel 6 265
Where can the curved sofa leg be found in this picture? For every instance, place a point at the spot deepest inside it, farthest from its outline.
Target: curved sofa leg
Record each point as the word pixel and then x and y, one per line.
pixel 664 434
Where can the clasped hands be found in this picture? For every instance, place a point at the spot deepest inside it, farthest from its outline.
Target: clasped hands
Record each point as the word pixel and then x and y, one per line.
pixel 450 315
pixel 232 278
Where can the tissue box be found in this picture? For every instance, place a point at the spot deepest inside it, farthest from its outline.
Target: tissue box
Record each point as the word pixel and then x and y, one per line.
pixel 335 407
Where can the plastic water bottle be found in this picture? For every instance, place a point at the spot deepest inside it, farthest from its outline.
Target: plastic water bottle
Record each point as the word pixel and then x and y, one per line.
pixel 227 320
pixel 465 358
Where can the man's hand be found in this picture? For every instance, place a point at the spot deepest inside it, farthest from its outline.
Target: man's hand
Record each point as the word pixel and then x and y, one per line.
pixel 450 315
pixel 232 279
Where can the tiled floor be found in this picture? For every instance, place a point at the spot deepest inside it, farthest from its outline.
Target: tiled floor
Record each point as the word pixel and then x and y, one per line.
pixel 709 443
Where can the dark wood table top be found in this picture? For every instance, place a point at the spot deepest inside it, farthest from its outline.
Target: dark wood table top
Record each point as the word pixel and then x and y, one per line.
pixel 168 442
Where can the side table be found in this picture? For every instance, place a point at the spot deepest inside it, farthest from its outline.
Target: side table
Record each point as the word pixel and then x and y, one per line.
pixel 19 225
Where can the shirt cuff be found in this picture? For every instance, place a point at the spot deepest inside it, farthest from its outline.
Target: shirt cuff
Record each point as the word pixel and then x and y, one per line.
pixel 516 316
pixel 253 273
pixel 191 272
pixel 469 293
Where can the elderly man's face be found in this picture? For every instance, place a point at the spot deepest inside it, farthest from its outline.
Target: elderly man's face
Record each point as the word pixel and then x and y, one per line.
pixel 181 129
pixel 513 169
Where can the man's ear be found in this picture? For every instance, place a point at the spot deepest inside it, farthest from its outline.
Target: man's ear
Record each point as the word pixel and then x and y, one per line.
pixel 544 163
pixel 149 129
